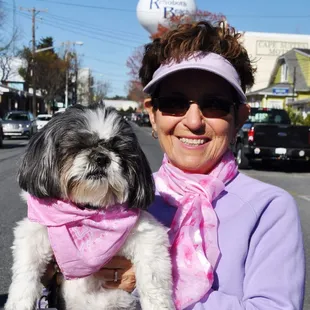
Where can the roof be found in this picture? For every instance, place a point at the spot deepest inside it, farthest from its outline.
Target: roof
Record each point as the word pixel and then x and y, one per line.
pixel 269 90
pixel 294 65
pixel 304 50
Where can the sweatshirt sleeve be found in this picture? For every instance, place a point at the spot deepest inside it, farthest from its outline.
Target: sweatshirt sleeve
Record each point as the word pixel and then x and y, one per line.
pixel 275 264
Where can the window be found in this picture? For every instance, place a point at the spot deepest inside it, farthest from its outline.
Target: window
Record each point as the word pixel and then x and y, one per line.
pixel 284 73
pixel 273 116
pixel 17 117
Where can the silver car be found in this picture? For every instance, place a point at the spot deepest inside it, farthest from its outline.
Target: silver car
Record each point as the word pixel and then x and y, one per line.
pixel 42 120
pixel 19 124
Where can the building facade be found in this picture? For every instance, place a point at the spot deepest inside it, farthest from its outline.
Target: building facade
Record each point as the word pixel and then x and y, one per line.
pixel 84 86
pixel 288 85
pixel 265 48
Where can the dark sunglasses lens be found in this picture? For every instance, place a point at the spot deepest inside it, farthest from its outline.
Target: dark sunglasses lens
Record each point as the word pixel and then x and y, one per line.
pixel 172 105
pixel 215 107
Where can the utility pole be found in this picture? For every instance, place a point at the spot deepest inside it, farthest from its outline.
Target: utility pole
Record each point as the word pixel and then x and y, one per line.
pixel 67 45
pixel 34 12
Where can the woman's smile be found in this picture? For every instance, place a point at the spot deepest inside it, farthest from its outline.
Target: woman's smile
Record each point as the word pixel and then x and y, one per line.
pixel 194 143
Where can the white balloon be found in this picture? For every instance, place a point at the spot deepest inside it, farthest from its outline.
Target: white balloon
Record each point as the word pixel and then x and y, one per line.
pixel 150 13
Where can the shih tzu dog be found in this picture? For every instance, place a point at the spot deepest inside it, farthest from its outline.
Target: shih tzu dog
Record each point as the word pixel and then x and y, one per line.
pixel 87 184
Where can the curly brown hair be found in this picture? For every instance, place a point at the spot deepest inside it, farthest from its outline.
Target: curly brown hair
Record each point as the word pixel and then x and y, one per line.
pixel 182 42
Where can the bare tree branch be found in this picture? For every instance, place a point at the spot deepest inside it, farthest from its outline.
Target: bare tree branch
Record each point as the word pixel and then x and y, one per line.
pixel 5 67
pixel 101 90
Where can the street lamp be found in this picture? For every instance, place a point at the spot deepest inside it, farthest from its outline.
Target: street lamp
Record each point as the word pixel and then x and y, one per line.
pixel 44 49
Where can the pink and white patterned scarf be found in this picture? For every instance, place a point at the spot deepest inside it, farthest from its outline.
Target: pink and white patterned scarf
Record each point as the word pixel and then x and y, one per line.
pixel 193 232
pixel 82 240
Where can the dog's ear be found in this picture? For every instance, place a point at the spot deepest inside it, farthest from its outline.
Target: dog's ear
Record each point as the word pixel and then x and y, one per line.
pixel 140 180
pixel 38 173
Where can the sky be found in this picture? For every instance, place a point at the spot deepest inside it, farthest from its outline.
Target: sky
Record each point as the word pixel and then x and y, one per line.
pixel 110 30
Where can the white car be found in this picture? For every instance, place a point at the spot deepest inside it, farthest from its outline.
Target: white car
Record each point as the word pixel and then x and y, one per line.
pixel 42 120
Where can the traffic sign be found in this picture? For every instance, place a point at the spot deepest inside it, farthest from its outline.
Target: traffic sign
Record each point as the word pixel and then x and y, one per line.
pixel 280 90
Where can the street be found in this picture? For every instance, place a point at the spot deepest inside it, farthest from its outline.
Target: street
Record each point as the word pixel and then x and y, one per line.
pixel 12 209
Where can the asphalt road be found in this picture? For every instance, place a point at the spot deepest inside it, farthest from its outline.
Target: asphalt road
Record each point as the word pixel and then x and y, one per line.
pixel 12 209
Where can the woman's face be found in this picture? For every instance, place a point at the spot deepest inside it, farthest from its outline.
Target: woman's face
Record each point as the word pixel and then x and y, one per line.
pixel 194 142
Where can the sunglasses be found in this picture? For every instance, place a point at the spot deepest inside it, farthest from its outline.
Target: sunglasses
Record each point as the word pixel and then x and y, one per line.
pixel 178 105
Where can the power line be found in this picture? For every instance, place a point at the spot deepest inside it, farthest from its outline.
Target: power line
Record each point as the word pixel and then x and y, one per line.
pixel 86 27
pixel 64 22
pixel 101 39
pixel 129 10
pixel 95 26
pixel 99 7
pixel 94 30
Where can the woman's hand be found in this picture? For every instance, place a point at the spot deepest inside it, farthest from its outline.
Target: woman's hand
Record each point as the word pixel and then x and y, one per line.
pixel 120 269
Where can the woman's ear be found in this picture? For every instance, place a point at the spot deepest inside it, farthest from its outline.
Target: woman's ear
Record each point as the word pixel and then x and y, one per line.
pixel 149 108
pixel 243 114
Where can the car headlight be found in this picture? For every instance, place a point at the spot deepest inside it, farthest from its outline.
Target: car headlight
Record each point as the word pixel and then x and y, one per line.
pixel 27 126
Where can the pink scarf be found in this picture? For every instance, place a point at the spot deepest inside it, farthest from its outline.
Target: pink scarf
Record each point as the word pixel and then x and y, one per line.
pixel 82 240
pixel 193 233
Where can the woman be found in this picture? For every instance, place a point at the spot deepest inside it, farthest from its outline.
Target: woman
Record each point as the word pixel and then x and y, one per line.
pixel 236 243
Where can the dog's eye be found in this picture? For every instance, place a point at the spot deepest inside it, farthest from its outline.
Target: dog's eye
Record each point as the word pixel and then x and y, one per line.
pixel 110 144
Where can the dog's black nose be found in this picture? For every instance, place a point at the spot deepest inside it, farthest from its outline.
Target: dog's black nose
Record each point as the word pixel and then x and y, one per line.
pixel 102 160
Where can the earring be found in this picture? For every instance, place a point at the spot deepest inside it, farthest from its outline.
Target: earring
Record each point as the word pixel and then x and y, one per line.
pixel 154 134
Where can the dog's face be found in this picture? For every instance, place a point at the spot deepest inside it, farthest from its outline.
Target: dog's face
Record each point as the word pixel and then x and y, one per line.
pixel 90 156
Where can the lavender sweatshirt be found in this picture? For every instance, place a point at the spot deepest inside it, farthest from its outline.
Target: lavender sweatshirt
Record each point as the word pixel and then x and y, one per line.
pixel 262 263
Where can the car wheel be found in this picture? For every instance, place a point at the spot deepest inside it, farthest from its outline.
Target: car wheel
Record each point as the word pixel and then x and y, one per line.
pixel 1 140
pixel 242 160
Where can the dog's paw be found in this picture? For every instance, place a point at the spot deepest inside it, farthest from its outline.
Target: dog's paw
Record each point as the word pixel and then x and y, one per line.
pixel 121 300
pixel 19 305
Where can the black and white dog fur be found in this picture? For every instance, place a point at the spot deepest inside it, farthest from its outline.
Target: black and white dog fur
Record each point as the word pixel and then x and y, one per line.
pixel 91 156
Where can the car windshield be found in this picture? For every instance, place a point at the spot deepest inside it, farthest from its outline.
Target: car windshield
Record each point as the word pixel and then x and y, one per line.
pixel 16 117
pixel 44 118
pixel 270 117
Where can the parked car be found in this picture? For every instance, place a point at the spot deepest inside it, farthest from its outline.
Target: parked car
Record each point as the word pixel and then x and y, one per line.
pixel 42 120
pixel 19 124
pixel 269 135
pixel 143 119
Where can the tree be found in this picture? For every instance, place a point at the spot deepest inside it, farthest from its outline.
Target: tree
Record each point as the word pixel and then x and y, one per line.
pixel 5 66
pixel 295 116
pixel 7 51
pixel 135 89
pixel 49 67
pixel 100 91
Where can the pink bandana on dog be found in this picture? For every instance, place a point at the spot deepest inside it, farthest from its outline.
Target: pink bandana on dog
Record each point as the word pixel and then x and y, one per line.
pixel 82 240
pixel 193 233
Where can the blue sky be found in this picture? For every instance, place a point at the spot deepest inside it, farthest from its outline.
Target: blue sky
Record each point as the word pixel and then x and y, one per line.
pixel 110 34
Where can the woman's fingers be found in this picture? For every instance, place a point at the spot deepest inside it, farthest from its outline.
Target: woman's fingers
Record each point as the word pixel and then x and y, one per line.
pixel 114 269
pixel 126 283
pixel 110 275
pixel 118 262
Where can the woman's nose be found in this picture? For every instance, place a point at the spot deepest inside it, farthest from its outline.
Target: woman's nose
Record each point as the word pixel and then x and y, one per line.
pixel 194 119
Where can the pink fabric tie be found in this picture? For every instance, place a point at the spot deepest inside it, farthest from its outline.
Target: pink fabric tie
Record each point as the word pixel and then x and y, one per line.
pixel 82 240
pixel 193 232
